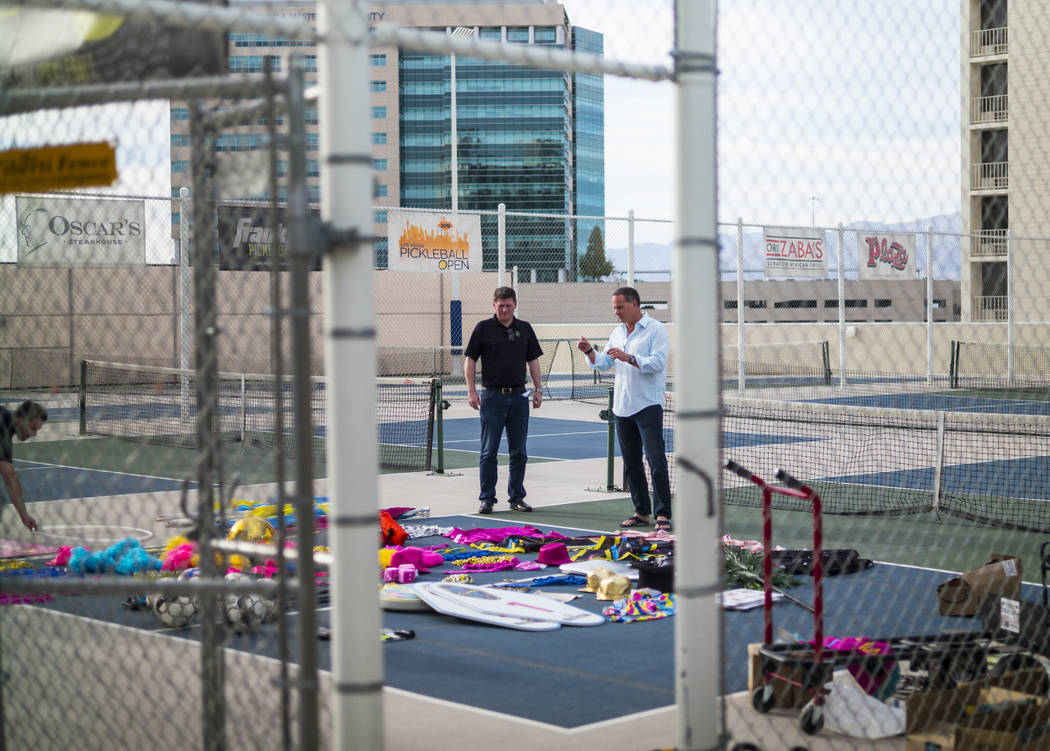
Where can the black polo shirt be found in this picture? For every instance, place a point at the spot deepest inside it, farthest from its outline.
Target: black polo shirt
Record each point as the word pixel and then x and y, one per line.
pixel 503 351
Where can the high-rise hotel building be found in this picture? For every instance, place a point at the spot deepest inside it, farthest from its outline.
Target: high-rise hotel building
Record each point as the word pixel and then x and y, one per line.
pixel 530 139
pixel 1005 159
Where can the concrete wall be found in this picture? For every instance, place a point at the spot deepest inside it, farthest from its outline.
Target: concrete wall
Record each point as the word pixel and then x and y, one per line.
pixel 53 318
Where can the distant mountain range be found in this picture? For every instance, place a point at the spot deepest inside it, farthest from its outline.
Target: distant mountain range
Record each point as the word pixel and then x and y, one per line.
pixel 653 260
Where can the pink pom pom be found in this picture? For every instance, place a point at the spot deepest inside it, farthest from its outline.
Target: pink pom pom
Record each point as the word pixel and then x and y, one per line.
pixel 179 557
pixel 63 556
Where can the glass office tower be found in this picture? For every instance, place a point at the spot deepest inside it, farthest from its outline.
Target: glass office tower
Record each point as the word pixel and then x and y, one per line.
pixel 530 139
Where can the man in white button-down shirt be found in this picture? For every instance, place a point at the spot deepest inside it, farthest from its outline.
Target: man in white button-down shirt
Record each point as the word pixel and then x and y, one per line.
pixel 637 351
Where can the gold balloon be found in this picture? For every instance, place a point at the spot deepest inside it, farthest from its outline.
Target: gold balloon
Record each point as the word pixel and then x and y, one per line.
pixel 251 529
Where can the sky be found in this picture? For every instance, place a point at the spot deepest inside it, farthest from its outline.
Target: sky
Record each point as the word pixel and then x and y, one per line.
pixel 829 111
pixel 853 104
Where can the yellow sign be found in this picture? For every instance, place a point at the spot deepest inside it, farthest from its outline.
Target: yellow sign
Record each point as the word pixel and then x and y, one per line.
pixel 53 167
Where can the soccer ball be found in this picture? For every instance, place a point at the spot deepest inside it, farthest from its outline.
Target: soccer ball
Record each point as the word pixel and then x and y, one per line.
pixel 173 612
pixel 245 612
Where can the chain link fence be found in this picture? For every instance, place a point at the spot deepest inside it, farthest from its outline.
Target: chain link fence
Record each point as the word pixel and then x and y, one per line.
pixel 882 335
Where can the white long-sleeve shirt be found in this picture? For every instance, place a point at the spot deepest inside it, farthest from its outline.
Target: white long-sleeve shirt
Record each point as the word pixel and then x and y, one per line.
pixel 636 388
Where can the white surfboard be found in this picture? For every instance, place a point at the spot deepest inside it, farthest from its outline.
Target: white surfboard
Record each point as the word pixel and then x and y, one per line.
pixel 457 609
pixel 509 602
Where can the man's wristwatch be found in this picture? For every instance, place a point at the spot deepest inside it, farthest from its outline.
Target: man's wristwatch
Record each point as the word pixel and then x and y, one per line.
pixel 633 361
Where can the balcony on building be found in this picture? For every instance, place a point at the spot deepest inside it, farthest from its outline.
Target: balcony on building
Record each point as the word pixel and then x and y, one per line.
pixel 988 243
pixel 988 110
pixel 989 42
pixel 990 176
pixel 989 308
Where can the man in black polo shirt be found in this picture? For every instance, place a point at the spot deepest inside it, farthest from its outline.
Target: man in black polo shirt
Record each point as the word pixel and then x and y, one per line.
pixel 505 345
pixel 24 423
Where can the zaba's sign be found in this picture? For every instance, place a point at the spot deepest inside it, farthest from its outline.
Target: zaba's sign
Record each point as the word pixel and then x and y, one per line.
pixel 59 47
pixel 885 256
pixel 795 251
pixel 80 232
pixel 247 241
pixel 419 241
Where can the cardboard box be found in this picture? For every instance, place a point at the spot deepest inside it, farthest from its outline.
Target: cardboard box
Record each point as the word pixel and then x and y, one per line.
pixel 962 595
pixel 1013 728
pixel 928 708
pixel 939 737
pixel 784 694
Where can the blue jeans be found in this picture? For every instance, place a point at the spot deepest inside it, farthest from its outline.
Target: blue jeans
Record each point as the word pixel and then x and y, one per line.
pixel 644 431
pixel 499 411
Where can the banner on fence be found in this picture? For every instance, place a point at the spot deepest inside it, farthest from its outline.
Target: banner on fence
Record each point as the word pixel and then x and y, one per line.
pixel 247 242
pixel 80 232
pixel 885 256
pixel 795 251
pixel 420 241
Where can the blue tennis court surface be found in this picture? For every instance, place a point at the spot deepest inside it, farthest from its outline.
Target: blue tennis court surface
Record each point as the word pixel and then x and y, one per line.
pixel 1028 477
pixel 579 439
pixel 942 403
pixel 51 482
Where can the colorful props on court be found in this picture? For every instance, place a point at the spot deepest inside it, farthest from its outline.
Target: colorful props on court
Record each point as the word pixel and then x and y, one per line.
pixel 126 557
pixel 251 529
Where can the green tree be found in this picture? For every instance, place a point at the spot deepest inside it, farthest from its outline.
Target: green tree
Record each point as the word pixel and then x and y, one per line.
pixel 594 265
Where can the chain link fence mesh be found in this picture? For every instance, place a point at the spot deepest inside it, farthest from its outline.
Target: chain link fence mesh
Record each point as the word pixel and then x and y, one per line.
pixel 882 322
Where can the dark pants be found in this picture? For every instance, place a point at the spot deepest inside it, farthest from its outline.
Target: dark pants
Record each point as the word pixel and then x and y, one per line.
pixel 499 411
pixel 644 431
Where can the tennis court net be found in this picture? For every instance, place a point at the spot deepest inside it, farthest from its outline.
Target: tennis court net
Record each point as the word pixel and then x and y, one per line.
pixel 1013 371
pixel 766 365
pixel 159 406
pixel 992 469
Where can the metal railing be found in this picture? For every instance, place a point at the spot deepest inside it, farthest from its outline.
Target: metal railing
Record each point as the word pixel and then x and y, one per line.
pixel 988 243
pixel 990 308
pixel 988 42
pixel 989 109
pixel 990 176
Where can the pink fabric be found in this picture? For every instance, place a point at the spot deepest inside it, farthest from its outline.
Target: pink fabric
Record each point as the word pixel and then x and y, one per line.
pixel 529 566
pixel 396 511
pixel 497 534
pixel 421 559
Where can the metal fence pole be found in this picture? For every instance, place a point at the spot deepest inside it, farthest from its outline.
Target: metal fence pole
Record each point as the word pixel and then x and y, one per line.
pixel 1010 307
pixel 185 248
pixel 698 619
pixel 302 431
pixel 741 383
pixel 212 660
pixel 630 247
pixel 501 246
pixel 842 306
pixel 929 304
pixel 350 359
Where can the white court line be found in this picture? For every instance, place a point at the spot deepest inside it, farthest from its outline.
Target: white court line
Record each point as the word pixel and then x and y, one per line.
pixel 48 465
